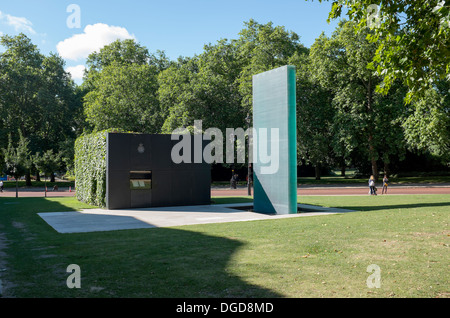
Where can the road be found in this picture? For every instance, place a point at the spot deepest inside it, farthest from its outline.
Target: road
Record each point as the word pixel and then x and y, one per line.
pixel 242 191
pixel 348 190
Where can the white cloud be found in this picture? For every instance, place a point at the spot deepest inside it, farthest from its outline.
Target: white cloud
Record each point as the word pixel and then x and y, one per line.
pixel 18 23
pixel 93 38
pixel 77 72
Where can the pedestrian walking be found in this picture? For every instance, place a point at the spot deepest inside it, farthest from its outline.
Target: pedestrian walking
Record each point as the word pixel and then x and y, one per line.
pixel 385 184
pixel 1 185
pixel 372 187
pixel 233 181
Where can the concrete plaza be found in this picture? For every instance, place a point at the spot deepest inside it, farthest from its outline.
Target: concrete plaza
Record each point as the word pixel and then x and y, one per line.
pixel 94 220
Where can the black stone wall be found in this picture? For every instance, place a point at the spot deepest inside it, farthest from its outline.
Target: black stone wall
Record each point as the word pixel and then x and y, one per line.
pixel 134 155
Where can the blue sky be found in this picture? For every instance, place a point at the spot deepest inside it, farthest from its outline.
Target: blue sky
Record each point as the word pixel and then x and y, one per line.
pixel 180 28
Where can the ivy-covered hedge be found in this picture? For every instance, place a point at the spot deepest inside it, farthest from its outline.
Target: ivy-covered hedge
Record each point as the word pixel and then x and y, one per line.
pixel 90 168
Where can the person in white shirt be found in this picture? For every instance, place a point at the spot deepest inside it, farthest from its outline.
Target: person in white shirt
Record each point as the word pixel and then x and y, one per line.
pixel 372 186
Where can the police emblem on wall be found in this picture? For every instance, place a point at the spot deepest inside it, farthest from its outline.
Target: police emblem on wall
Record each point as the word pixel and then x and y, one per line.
pixel 141 148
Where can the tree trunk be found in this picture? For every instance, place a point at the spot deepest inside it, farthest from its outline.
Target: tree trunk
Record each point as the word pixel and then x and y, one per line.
pixel 28 179
pixel 374 168
pixel 52 177
pixel 373 161
pixel 387 172
pixel 317 171
pixel 371 147
pixel 343 170
pixel 17 188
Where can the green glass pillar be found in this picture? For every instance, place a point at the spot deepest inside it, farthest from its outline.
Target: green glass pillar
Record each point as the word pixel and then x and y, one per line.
pixel 275 141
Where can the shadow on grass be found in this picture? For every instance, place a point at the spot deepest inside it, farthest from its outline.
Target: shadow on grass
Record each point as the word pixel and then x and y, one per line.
pixel 158 262
pixel 397 206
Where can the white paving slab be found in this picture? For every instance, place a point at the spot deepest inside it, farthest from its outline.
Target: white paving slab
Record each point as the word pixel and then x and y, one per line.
pixel 93 220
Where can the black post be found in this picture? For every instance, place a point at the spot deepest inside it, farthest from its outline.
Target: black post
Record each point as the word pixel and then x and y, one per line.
pixel 249 187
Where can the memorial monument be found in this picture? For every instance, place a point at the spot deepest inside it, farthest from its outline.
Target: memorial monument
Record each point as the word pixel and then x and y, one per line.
pixel 275 131
pixel 140 173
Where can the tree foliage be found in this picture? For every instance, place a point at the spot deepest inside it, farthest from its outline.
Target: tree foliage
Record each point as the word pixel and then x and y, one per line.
pixel 351 89
pixel 364 120
pixel 412 39
pixel 17 158
pixel 48 163
pixel 427 126
pixel 314 116
pixel 37 96
pixel 124 96
pixel 120 88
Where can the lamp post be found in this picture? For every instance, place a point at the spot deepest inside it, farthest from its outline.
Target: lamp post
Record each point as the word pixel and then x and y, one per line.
pixel 248 119
pixel 232 180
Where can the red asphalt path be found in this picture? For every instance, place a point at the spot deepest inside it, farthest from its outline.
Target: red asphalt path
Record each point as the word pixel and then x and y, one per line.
pixel 345 190
pixel 302 190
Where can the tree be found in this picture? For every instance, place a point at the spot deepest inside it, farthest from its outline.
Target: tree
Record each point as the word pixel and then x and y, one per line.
pixel 203 88
pixel 263 47
pixel 124 52
pixel 314 117
pixel 120 86
pixel 37 96
pixel 121 52
pixel 411 36
pixel 48 163
pixel 20 81
pixel 17 159
pixel 174 92
pixel 216 86
pixel 124 96
pixel 359 122
pixel 427 122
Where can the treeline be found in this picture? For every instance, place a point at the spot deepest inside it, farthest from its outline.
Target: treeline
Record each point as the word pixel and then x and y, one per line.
pixel 342 120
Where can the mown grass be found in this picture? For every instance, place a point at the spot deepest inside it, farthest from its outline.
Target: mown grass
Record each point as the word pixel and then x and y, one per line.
pixel 316 256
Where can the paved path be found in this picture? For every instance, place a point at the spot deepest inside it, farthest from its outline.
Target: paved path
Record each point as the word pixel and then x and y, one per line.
pixel 442 188
pixel 348 190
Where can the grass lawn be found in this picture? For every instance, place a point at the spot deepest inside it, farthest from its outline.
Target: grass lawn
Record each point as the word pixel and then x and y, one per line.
pixel 317 256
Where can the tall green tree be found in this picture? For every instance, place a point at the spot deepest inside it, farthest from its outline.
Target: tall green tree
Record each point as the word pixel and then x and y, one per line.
pixel 121 88
pixel 411 37
pixel 17 158
pixel 314 117
pixel 20 82
pixel 363 118
pixel 216 86
pixel 124 96
pixel 427 122
pixel 203 88
pixel 263 47
pixel 48 163
pixel 124 52
pixel 36 96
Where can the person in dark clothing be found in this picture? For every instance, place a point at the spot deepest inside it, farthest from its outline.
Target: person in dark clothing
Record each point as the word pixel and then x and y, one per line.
pixel 233 181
